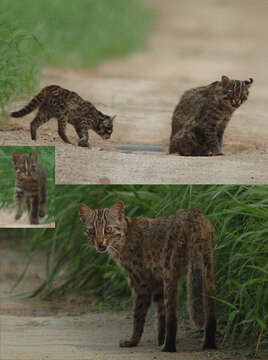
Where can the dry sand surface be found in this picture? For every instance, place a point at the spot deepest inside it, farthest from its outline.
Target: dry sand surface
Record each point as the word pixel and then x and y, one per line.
pixel 66 329
pixel 193 44
pixel 7 216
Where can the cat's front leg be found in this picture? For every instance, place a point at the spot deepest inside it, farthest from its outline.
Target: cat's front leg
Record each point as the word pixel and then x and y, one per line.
pixel 142 302
pixel 82 132
pixel 19 199
pixel 34 210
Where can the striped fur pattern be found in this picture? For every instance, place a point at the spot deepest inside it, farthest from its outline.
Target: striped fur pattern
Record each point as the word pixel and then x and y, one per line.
pixel 154 254
pixel 200 118
pixel 67 107
pixel 30 186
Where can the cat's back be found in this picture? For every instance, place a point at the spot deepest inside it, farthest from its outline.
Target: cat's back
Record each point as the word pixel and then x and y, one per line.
pixel 193 99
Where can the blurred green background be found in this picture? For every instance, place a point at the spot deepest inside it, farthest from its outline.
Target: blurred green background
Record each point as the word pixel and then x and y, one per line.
pixel 46 159
pixel 67 33
pixel 238 213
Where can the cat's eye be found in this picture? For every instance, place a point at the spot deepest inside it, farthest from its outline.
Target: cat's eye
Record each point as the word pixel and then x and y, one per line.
pixel 109 230
pixel 89 231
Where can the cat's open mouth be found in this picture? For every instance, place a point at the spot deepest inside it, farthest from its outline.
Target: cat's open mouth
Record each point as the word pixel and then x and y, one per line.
pixel 101 247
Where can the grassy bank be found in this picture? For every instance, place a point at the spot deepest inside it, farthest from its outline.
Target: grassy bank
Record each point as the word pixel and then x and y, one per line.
pixel 19 65
pixel 240 217
pixel 82 33
pixel 64 34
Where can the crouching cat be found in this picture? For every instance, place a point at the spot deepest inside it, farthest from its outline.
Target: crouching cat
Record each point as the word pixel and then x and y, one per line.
pixel 154 254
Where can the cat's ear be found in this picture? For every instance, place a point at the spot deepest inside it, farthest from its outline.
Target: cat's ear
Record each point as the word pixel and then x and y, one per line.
pixel 249 82
pixel 84 212
pixel 34 156
pixel 118 209
pixel 16 158
pixel 225 80
pixel 113 117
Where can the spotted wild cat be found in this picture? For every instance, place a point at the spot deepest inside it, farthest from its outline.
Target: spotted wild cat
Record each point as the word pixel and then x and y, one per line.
pixel 67 107
pixel 201 116
pixel 154 254
pixel 30 186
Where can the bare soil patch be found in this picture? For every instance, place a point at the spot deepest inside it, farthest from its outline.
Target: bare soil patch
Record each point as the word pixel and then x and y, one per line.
pixel 192 45
pixel 7 220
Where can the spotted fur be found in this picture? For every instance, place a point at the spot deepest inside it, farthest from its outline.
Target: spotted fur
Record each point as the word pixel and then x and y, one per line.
pixel 200 118
pixel 154 254
pixel 67 107
pixel 30 186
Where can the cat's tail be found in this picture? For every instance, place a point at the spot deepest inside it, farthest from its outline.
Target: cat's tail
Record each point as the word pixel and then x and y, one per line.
pixel 33 104
pixel 200 272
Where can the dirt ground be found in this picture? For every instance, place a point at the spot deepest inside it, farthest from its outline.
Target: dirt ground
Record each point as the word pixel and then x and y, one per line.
pixel 7 216
pixel 65 328
pixel 192 45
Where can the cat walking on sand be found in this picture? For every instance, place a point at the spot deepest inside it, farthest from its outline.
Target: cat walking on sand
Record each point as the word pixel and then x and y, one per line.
pixel 67 107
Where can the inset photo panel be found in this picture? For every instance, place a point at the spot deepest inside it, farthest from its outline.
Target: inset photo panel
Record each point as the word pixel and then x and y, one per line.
pixel 27 180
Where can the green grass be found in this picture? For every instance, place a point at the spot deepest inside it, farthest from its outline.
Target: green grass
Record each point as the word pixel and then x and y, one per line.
pixel 240 217
pixel 82 32
pixel 19 66
pixel 68 33
pixel 46 158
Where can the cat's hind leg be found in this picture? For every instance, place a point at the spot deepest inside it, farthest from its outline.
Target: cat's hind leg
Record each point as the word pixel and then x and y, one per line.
pixel 158 299
pixel 183 143
pixel 62 122
pixel 41 118
pixel 170 298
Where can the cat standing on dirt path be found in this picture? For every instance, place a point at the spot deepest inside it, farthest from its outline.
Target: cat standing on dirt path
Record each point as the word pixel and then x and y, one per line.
pixel 154 254
pixel 67 107
pixel 30 186
pixel 200 118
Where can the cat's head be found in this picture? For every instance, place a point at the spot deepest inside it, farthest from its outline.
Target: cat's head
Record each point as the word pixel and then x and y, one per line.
pixel 105 126
pixel 104 228
pixel 26 164
pixel 235 92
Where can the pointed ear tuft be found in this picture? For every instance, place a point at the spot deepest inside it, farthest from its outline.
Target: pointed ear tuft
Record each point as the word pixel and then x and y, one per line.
pixel 249 82
pixel 113 117
pixel 84 212
pixel 15 158
pixel 118 209
pixel 225 80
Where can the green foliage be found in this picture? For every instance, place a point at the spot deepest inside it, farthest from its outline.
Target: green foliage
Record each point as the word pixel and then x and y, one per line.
pixel 240 217
pixel 19 67
pixel 82 32
pixel 46 158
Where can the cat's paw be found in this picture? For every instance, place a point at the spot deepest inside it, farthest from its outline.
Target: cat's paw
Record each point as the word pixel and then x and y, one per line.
pixel 84 144
pixel 208 345
pixel 34 221
pixel 169 348
pixel 41 213
pixel 215 154
pixel 128 343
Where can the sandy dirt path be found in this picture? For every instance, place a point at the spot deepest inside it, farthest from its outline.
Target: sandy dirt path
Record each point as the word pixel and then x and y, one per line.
pixel 7 220
pixel 65 328
pixel 192 45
